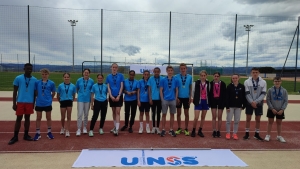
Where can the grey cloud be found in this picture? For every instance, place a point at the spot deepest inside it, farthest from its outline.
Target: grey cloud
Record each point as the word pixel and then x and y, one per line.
pixel 263 1
pixel 130 50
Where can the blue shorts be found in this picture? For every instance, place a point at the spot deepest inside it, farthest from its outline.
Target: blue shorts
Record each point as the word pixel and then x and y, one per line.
pixel 202 106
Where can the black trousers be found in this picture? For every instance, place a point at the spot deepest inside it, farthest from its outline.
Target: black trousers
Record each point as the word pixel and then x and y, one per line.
pixel 156 111
pixel 99 107
pixel 130 105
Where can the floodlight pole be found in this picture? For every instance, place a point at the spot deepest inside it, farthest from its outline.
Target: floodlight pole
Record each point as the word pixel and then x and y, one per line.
pixel 248 29
pixel 296 66
pixel 73 23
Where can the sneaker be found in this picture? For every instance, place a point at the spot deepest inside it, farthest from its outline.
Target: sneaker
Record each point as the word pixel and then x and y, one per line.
pixel 50 136
pixel 148 129
pixel 112 130
pixel 246 137
pixel 200 133
pixel 267 138
pixel 62 131
pixel 186 132
pixel 178 131
pixel 67 133
pixel 91 133
pixel 163 133
pixel 27 138
pixel 141 130
pixel 101 131
pixel 153 130
pixel 228 136
pixel 37 137
pixel 78 132
pixel 157 130
pixel 235 137
pixel 130 130
pixel 214 134
pixel 13 140
pixel 218 134
pixel 193 133
pixel 281 139
pixel 173 134
pixel 123 128
pixel 84 131
pixel 116 133
pixel 257 137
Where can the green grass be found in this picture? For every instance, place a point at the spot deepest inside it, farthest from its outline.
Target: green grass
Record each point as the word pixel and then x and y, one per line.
pixel 6 80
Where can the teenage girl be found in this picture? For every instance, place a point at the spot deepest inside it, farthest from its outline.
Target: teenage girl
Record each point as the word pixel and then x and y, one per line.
pixel 66 92
pixel 200 98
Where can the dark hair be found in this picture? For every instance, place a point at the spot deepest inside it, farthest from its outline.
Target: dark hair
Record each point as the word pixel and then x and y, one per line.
pixel 255 68
pixel 146 71
pixel 67 74
pixel 87 70
pixel 131 71
pixel 276 78
pixel 100 75
pixel 169 67
pixel 217 73
pixel 182 64
pixel 233 75
pixel 114 64
pixel 27 64
pixel 156 68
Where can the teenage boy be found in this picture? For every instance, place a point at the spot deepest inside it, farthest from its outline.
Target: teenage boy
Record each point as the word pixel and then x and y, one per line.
pixel 255 90
pixel 184 98
pixel 277 100
pixel 154 99
pixel 23 101
pixel 168 94
pixel 45 91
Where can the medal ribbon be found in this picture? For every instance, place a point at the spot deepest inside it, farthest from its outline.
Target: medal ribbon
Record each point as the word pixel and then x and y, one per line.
pixel 100 90
pixel 255 86
pixel 183 81
pixel 277 95
pixel 170 83
pixel 115 78
pixel 27 83
pixel 44 85
pixel 67 90
pixel 157 81
pixel 85 82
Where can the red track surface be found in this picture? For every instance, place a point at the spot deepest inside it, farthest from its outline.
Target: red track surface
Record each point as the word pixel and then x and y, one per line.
pixel 135 140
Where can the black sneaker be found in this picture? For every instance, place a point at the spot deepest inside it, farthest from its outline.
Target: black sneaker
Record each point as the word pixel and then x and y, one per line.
pixel 193 133
pixel 163 133
pixel 28 138
pixel 130 130
pixel 246 137
pixel 218 134
pixel 257 137
pixel 200 133
pixel 123 128
pixel 13 140
pixel 173 134
pixel 214 134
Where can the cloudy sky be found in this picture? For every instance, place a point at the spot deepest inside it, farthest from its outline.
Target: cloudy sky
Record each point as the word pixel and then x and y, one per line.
pixel 138 31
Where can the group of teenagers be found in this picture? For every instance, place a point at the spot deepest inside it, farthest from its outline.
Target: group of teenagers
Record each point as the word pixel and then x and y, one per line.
pixel 156 92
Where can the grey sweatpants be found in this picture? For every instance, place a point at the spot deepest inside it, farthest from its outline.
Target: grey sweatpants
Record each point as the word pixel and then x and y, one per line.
pixel 236 112
pixel 82 109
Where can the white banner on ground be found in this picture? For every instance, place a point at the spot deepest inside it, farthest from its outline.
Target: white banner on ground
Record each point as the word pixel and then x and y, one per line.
pixel 139 69
pixel 125 158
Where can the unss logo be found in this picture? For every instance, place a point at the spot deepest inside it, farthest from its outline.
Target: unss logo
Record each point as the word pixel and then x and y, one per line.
pixel 171 160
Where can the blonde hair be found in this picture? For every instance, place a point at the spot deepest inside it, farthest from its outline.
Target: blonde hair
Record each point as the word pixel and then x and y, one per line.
pixel 203 71
pixel 45 70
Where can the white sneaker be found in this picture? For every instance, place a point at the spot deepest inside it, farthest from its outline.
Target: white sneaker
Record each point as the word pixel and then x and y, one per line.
pixel 101 131
pixel 62 131
pixel 267 138
pixel 148 129
pixel 157 130
pixel 84 131
pixel 91 133
pixel 153 130
pixel 141 130
pixel 116 132
pixel 281 139
pixel 78 132
pixel 112 130
pixel 67 133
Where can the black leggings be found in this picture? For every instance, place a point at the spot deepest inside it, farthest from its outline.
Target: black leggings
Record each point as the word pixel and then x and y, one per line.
pixel 156 110
pixel 130 105
pixel 99 107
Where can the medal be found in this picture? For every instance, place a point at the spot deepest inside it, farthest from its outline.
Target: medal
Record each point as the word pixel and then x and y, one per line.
pixel 100 90
pixel 157 81
pixel 255 86
pixel 44 85
pixel 145 86
pixel 183 86
pixel 170 83
pixel 115 78
pixel 183 81
pixel 236 97
pixel 85 82
pixel 27 83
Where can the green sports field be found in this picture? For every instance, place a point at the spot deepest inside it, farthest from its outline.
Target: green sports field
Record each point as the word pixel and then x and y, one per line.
pixel 6 80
